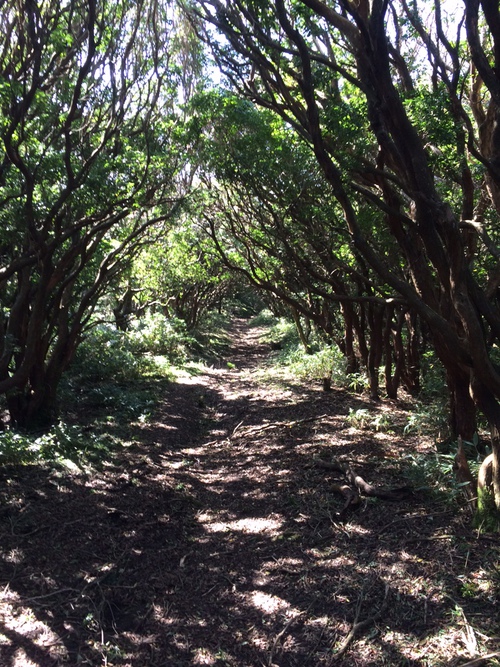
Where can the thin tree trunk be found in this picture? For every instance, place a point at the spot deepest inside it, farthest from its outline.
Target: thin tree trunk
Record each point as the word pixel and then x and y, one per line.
pixel 463 410
pixel 300 330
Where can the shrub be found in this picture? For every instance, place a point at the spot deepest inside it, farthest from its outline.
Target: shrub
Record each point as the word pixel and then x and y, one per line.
pixel 159 335
pixel 264 318
pixel 105 354
pixel 280 333
pixel 124 356
pixel 327 362
pixel 64 444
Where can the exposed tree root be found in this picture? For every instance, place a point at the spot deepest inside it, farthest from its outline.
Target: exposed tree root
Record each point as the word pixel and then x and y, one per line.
pixel 356 486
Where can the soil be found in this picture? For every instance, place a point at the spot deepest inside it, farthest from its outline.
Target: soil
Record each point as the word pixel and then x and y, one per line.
pixel 212 538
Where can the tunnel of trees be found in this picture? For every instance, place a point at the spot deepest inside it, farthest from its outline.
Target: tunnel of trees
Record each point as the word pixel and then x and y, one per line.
pixel 342 158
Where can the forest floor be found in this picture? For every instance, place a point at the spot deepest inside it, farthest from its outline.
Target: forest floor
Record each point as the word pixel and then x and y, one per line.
pixel 212 538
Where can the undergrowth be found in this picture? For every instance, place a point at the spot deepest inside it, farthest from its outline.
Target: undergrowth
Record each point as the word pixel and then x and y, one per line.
pixel 429 412
pixel 115 380
pixel 427 416
pixel 211 339
pixel 433 473
pixel 316 363
pixel 70 446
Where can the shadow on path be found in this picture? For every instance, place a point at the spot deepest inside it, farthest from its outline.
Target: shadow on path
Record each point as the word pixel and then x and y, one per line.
pixel 211 540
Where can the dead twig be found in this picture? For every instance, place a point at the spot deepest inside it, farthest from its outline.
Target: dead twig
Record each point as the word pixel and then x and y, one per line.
pixel 22 601
pixel 358 625
pixel 253 430
pixel 425 538
pixel 236 428
pixel 280 635
pixel 470 639
pixel 412 516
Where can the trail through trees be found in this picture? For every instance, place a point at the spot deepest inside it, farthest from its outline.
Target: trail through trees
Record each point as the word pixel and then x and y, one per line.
pixel 210 539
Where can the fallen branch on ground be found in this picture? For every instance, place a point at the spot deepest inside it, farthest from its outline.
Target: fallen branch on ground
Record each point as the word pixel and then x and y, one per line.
pixel 253 430
pixel 351 495
pixel 356 486
pixel 280 636
pixel 358 625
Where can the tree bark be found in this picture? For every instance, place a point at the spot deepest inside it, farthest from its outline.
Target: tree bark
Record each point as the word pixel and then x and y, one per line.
pixel 462 410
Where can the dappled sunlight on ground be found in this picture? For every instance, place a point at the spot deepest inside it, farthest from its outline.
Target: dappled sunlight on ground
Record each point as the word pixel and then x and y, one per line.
pixel 254 525
pixel 269 604
pixel 213 539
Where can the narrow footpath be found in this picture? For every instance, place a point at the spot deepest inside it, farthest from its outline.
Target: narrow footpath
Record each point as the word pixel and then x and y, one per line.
pixel 212 539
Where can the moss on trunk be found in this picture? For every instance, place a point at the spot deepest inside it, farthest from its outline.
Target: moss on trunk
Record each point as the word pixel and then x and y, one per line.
pixel 487 517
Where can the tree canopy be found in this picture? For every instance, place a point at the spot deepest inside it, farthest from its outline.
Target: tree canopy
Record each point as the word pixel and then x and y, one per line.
pixel 91 171
pixel 399 104
pixel 348 165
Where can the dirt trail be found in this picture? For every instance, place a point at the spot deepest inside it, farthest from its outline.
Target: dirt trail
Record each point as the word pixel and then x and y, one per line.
pixel 211 540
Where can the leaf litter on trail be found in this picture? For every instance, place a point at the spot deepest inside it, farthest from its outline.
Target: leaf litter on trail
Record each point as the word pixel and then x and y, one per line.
pixel 212 540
